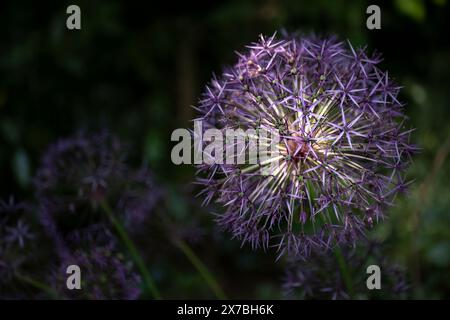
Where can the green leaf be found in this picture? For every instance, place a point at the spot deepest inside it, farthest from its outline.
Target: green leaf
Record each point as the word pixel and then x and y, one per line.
pixel 415 9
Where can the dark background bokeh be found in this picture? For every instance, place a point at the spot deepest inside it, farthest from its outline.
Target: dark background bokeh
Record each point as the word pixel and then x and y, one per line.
pixel 136 69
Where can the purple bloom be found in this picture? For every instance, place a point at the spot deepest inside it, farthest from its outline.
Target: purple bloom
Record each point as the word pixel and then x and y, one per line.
pixel 14 229
pixel 19 234
pixel 342 152
pixel 15 236
pixel 105 274
pixel 140 198
pixel 78 175
pixel 18 252
pixel 81 170
pixel 320 277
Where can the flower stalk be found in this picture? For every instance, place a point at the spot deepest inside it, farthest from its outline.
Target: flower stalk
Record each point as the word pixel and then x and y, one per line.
pixel 128 243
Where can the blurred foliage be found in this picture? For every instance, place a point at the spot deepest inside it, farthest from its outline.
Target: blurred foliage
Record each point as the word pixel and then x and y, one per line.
pixel 136 69
pixel 412 8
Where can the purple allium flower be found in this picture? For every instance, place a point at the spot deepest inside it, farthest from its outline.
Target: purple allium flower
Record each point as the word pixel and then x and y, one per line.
pixel 78 175
pixel 105 274
pixel 320 277
pixel 20 237
pixel 81 168
pixel 140 198
pixel 16 237
pixel 343 143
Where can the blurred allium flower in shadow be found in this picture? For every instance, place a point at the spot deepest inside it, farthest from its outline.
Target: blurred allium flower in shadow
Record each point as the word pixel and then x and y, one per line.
pixel 106 274
pixel 18 251
pixel 321 277
pixel 90 198
pixel 78 175
pixel 140 198
pixel 343 144
pixel 16 237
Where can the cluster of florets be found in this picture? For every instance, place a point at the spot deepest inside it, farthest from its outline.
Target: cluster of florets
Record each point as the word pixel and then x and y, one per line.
pixel 17 245
pixel 80 177
pixel 106 274
pixel 342 152
pixel 321 276
pixel 80 174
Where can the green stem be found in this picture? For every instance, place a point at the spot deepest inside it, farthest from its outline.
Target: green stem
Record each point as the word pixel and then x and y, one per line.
pixel 344 271
pixel 37 284
pixel 194 259
pixel 148 280
pixel 201 268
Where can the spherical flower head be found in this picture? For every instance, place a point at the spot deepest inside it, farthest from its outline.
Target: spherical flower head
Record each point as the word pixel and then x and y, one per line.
pixel 320 277
pixel 82 169
pixel 342 149
pixel 81 173
pixel 105 274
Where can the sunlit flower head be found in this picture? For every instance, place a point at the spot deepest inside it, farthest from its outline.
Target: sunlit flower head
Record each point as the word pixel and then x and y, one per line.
pixel 342 151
